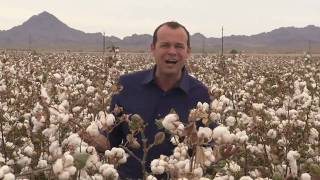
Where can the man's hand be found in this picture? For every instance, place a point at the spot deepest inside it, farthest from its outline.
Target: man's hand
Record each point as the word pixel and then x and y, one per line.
pixel 100 142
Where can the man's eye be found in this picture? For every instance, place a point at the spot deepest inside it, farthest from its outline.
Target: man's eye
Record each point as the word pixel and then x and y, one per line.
pixel 179 46
pixel 164 45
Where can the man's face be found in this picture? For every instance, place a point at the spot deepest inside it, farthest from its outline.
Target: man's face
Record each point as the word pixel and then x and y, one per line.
pixel 170 51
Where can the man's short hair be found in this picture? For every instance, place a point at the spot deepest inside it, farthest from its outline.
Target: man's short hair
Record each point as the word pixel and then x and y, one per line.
pixel 173 25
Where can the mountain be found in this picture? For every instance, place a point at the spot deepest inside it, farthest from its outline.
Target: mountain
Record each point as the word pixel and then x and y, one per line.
pixel 45 31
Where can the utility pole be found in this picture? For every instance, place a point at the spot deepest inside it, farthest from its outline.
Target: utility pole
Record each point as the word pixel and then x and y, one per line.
pixel 203 45
pixel 309 47
pixel 104 43
pixel 29 42
pixel 222 41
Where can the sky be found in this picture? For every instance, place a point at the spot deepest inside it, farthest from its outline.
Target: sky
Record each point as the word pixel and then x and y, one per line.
pixel 126 17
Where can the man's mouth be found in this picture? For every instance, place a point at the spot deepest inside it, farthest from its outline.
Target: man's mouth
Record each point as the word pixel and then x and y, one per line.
pixel 171 61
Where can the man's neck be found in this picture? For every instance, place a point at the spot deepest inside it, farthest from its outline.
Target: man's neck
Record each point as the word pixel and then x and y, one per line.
pixel 167 82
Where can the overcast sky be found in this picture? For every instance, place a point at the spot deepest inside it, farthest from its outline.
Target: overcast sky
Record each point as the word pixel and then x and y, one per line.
pixel 126 17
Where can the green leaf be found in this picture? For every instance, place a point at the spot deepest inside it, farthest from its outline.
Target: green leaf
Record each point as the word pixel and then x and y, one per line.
pixel 80 159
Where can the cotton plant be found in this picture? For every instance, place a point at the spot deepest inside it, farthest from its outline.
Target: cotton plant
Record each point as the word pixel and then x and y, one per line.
pixel 63 167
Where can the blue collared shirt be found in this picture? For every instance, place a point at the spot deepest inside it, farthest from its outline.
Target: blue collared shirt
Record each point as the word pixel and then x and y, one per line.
pixel 141 95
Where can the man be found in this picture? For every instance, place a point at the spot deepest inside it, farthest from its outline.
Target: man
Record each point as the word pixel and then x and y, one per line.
pixel 153 93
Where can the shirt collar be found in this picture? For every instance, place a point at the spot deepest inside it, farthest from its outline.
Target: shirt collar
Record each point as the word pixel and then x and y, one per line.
pixel 183 84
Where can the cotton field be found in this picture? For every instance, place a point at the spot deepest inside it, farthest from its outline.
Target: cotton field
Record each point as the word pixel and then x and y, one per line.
pixel 267 108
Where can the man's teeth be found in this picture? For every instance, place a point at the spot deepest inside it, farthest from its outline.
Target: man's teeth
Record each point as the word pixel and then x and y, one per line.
pixel 171 61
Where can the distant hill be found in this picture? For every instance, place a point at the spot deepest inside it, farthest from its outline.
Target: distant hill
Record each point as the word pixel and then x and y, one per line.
pixel 45 31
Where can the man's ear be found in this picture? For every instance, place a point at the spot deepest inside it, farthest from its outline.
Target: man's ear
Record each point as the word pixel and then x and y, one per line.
pixel 152 47
pixel 189 51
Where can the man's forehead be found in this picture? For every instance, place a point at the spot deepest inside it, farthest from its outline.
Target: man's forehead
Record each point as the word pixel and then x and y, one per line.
pixel 168 34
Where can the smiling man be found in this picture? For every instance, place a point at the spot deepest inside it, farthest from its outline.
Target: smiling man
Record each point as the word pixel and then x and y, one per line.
pixel 153 93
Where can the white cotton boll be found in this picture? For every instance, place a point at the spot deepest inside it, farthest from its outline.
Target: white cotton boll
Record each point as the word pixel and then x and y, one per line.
pixel 258 106
pixel 3 88
pixel 68 80
pixel 230 121
pixel 175 140
pixel 57 166
pixel 28 150
pixel 88 82
pixel 57 76
pixel 234 167
pixel 9 176
pixel 215 117
pixel 204 178
pixel 216 105
pixel 157 169
pixel 305 176
pixel 205 132
pixel 93 129
pixel 150 177
pixel 76 109
pixel 68 160
pixel 281 112
pixel 42 163
pixel 24 161
pixel 90 90
pixel 110 119
pixel 180 164
pixel 179 129
pixel 71 169
pixel 48 132
pixel 292 157
pixel 228 138
pixel 44 94
pixel 64 175
pixel 4 169
pixel 91 150
pixel 96 177
pixel 198 172
pixel 219 131
pixel 242 136
pixel 169 120
pixel 272 133
pixel 246 178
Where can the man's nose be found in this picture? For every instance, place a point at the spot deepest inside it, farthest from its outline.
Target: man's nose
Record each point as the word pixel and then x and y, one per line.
pixel 172 50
